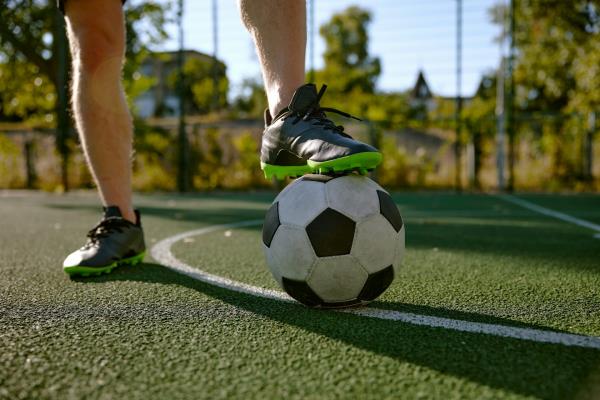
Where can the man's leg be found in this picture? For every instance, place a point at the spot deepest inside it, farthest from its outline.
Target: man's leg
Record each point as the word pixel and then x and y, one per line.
pixel 97 38
pixel 279 32
pixel 96 33
pixel 298 136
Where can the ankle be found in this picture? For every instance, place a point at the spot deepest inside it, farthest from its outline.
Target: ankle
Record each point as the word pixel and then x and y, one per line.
pixel 129 215
pixel 126 212
pixel 275 108
pixel 279 97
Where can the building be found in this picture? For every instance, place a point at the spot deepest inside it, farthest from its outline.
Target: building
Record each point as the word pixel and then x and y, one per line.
pixel 421 96
pixel 423 101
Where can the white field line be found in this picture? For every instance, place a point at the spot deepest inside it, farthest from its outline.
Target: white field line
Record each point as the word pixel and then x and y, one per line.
pixel 161 252
pixel 550 213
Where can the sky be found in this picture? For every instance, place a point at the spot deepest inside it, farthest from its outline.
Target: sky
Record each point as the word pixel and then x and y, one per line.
pixel 407 35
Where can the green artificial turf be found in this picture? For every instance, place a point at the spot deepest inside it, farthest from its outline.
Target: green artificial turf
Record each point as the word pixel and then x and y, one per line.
pixel 147 332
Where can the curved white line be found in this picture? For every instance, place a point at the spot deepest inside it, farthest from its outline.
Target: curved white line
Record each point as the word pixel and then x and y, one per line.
pixel 161 252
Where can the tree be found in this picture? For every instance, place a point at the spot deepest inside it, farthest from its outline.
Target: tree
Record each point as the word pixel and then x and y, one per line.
pixel 556 71
pixel 37 54
pixel 199 77
pixel 348 66
pixel 479 121
pixel 28 57
pixel 252 100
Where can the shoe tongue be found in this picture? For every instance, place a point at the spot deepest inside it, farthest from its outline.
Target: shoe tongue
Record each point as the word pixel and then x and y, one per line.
pixel 112 211
pixel 304 97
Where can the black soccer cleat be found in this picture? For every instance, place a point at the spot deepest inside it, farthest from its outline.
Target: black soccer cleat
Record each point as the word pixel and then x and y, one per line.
pixel 113 242
pixel 301 140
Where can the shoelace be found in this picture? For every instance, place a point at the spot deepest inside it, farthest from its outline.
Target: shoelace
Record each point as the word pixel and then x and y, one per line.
pixel 104 228
pixel 316 112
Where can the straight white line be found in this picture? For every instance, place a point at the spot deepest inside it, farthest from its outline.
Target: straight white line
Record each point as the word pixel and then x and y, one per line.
pixel 161 252
pixel 549 212
pixel 533 335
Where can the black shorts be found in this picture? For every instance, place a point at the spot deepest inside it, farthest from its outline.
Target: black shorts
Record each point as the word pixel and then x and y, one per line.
pixel 61 4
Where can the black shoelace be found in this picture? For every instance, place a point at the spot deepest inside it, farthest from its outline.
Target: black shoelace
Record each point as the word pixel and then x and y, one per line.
pixel 105 228
pixel 317 113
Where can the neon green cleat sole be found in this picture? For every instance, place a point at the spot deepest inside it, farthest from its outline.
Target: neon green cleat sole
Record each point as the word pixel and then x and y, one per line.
pixel 281 172
pixel 97 271
pixel 360 162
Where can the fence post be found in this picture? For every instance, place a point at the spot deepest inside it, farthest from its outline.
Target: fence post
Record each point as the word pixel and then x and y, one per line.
pixel 588 168
pixel 510 109
pixel 29 162
pixel 311 41
pixel 500 133
pixel 182 140
pixel 458 109
pixel 62 114
pixel 215 63
pixel 375 140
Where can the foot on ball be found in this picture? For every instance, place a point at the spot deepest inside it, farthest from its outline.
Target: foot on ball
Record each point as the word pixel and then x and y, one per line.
pixel 302 140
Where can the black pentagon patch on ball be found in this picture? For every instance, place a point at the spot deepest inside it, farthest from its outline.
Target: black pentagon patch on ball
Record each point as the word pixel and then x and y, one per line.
pixel 271 224
pixel 377 283
pixel 331 233
pixel 300 291
pixel 388 209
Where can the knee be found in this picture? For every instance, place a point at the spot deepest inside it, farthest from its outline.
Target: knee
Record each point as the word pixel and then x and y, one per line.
pixel 96 45
pixel 248 13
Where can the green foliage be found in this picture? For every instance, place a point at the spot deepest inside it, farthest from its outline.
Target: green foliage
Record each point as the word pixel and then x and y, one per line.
pixel 479 127
pixel 348 66
pixel 10 155
pixel 28 62
pixel 225 160
pixel 253 100
pixel 199 84
pixel 557 54
pixel 26 49
pixel 210 171
pixel 154 160
pixel 25 94
pixel 145 27
pixel 245 171
pixel 400 169
pixel 393 172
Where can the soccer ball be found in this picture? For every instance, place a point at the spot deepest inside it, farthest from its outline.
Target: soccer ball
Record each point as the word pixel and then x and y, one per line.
pixel 333 241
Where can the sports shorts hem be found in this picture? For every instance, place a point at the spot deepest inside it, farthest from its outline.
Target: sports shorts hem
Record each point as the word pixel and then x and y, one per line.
pixel 61 4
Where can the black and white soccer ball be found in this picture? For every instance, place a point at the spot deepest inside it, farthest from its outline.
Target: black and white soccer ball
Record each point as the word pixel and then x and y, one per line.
pixel 333 241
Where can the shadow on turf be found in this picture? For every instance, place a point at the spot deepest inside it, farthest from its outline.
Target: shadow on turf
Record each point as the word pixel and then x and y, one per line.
pixel 208 216
pixel 523 367
pixel 503 235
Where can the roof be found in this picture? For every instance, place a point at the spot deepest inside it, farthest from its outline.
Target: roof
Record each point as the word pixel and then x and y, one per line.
pixel 167 56
pixel 421 89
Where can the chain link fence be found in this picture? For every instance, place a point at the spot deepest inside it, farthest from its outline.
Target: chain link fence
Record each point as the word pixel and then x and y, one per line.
pixel 433 111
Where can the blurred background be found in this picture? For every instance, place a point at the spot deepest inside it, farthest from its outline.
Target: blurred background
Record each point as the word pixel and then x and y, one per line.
pixel 491 95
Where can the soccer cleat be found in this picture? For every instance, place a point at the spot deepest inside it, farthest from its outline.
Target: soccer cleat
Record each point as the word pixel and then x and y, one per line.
pixel 302 140
pixel 113 242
